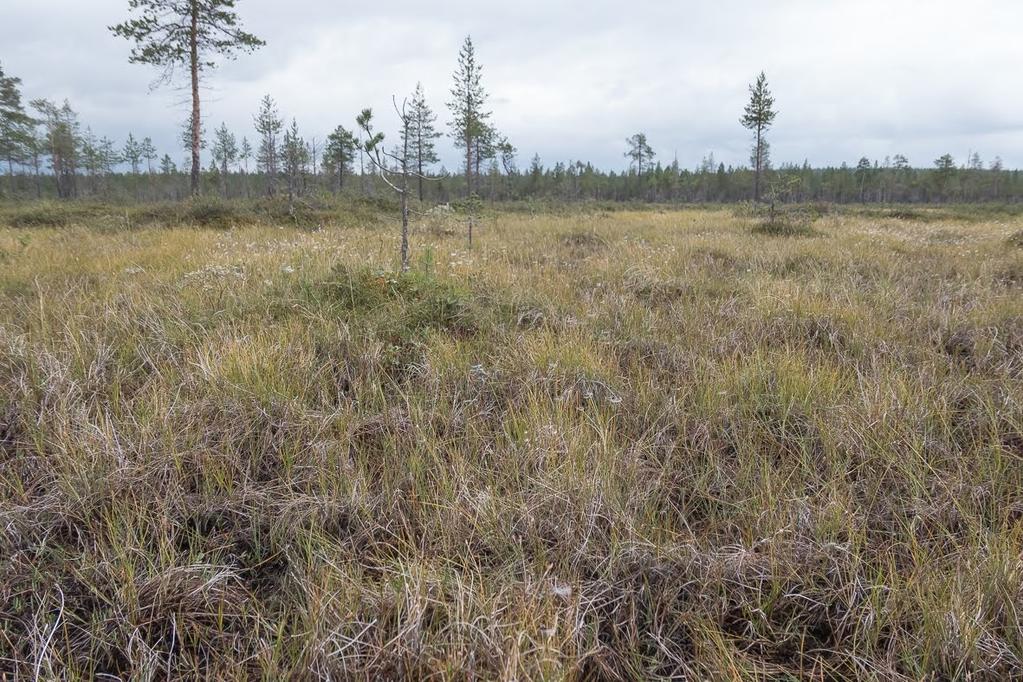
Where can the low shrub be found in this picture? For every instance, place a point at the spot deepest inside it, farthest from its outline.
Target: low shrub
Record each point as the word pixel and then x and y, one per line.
pixel 212 213
pixel 48 214
pixel 416 301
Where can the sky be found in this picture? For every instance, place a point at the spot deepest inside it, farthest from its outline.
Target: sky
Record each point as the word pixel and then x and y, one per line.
pixel 571 80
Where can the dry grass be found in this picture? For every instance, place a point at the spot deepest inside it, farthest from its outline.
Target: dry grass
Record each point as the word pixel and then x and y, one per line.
pixel 609 446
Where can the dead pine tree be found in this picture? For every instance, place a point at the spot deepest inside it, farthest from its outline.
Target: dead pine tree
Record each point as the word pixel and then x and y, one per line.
pixel 396 178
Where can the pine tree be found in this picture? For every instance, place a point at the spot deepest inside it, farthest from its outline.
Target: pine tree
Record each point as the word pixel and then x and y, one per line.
pixel 402 156
pixel 863 173
pixel 759 115
pixel 535 175
pixel 62 141
pixel 225 153
pixel 36 149
pixel 149 153
pixel 338 155
pixel 422 132
pixel 133 154
pixel 507 153
pixel 90 154
pixel 486 146
pixel 945 172
pixel 16 127
pixel 170 33
pixel 269 126
pixel 167 166
pixel 295 158
pixel 188 139
pixel 99 156
pixel 469 119
pixel 244 154
pixel 109 157
pixel 639 152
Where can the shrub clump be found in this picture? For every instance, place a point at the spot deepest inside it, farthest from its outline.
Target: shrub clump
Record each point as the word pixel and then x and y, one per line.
pixel 415 301
pixel 911 215
pixel 783 227
pixel 580 239
pixel 43 215
pixel 52 213
pixel 212 213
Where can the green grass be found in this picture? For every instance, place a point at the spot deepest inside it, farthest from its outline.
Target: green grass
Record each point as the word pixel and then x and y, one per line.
pixel 599 445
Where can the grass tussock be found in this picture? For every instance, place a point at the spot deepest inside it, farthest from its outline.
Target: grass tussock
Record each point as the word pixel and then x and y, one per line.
pixel 598 445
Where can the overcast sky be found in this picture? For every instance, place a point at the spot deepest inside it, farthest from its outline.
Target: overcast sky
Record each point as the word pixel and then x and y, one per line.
pixel 571 80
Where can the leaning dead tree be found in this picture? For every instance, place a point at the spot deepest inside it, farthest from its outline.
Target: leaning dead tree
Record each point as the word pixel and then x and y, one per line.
pixel 397 176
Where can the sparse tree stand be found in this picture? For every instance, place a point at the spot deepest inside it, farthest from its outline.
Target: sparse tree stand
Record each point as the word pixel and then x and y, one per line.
pixel 758 117
pixel 169 33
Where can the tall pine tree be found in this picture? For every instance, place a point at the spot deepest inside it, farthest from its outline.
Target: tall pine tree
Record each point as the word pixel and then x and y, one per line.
pixel 422 133
pixel 225 153
pixel 469 118
pixel 338 155
pixel 16 127
pixel 758 117
pixel 269 125
pixel 639 154
pixel 170 33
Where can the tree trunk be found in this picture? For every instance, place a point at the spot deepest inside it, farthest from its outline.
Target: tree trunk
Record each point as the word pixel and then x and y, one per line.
pixel 477 160
pixel 420 176
pixel 39 185
pixel 756 177
pixel 404 195
pixel 193 43
pixel 468 161
pixel 404 223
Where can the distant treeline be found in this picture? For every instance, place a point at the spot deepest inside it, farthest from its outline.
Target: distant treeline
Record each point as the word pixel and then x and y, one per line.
pixel 574 181
pixel 46 151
